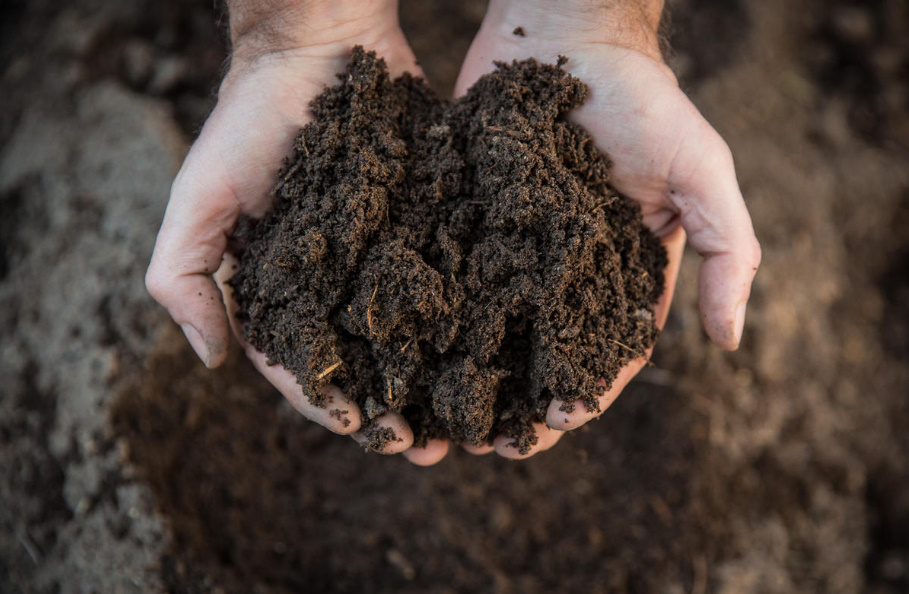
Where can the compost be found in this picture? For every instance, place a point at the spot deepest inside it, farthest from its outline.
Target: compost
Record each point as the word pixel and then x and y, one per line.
pixel 460 262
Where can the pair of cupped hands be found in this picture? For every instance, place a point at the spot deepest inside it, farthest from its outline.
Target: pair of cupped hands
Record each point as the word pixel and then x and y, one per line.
pixel 665 156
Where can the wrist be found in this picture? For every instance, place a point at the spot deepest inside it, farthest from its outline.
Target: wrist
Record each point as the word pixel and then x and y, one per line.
pixel 632 24
pixel 263 27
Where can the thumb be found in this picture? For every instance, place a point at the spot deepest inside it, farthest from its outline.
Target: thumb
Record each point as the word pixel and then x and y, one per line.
pixel 704 191
pixel 228 171
pixel 188 251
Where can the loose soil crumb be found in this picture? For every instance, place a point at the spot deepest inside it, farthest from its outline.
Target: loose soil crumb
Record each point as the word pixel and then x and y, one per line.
pixel 462 263
pixel 519 31
pixel 375 438
pixel 339 414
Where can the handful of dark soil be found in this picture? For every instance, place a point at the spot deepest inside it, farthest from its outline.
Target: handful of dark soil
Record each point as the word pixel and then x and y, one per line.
pixel 459 262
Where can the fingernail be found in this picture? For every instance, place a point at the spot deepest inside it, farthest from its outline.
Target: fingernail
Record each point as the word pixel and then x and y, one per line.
pixel 740 322
pixel 198 343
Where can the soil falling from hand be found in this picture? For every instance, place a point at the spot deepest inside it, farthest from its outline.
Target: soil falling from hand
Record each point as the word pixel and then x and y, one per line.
pixel 461 262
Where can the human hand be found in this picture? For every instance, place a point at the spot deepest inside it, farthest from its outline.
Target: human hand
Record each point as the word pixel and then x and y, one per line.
pixel 280 61
pixel 665 156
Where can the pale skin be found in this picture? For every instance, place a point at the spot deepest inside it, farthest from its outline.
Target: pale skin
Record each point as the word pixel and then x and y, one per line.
pixel 665 154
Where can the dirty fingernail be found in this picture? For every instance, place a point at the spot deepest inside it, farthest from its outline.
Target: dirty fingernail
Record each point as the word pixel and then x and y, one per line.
pixel 740 322
pixel 198 343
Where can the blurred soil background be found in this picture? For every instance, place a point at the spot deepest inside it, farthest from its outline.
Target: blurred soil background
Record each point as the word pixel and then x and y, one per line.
pixel 125 466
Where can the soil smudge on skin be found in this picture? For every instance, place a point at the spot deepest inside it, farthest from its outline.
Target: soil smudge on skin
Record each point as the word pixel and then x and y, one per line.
pixel 460 262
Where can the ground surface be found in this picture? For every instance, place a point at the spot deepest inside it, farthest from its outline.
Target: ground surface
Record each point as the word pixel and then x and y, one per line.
pixel 127 467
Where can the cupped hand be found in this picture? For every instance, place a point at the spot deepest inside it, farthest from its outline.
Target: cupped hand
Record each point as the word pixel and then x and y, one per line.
pixel 665 156
pixel 279 64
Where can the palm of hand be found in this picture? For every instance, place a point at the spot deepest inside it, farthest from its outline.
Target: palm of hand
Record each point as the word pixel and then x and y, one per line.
pixel 667 158
pixel 229 172
pixel 665 155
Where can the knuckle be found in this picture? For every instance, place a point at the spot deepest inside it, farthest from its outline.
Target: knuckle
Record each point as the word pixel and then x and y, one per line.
pixel 719 151
pixel 156 284
pixel 755 253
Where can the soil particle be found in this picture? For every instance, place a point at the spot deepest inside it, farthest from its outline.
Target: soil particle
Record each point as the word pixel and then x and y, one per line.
pixel 376 438
pixel 519 31
pixel 461 263
pixel 340 415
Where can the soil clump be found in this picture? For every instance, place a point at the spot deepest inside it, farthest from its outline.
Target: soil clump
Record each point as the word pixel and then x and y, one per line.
pixel 459 262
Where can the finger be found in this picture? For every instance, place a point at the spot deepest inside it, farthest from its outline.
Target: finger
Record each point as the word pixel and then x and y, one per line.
pixel 189 294
pixel 431 453
pixel 674 243
pixel 387 434
pixel 340 414
pixel 187 251
pixel 228 268
pixel 481 450
pixel 546 438
pixel 564 417
pixel 704 190
pixel 218 180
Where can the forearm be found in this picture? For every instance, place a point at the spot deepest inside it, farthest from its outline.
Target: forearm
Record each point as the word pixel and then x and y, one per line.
pixel 259 27
pixel 633 24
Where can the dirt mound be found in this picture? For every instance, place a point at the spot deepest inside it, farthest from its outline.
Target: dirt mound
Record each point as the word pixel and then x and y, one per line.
pixel 461 263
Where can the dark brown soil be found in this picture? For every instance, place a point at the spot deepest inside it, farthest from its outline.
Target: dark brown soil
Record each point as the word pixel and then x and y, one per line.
pixel 462 263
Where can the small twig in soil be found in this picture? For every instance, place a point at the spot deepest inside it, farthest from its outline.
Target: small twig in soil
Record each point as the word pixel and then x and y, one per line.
pixel 406 344
pixel 329 370
pixel 603 203
pixel 625 346
pixel 390 382
pixel 369 309
pixel 290 172
pixel 512 133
